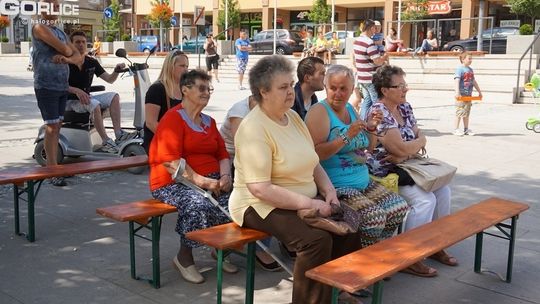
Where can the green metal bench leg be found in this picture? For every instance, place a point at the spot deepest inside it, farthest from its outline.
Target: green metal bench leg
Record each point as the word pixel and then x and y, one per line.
pixel 513 229
pixel 156 229
pixel 219 274
pixel 31 215
pixel 335 295
pixel 31 194
pixel 16 208
pixel 377 293
pixel 478 252
pixel 132 250
pixel 250 274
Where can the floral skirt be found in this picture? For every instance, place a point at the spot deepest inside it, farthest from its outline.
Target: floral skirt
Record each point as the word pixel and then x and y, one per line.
pixel 195 212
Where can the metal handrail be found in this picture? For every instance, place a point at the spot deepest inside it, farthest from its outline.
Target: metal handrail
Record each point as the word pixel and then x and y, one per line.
pixel 529 49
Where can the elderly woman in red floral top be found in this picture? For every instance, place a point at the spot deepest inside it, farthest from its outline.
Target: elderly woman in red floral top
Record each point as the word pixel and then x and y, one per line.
pixel 186 133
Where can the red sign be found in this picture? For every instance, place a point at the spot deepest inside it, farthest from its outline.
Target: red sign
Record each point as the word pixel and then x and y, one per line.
pixel 439 7
pixel 435 7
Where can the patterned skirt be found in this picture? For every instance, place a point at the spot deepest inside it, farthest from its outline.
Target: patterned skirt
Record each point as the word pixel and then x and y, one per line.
pixel 379 211
pixel 195 212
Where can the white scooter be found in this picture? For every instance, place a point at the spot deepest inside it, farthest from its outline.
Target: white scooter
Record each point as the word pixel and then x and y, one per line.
pixel 78 136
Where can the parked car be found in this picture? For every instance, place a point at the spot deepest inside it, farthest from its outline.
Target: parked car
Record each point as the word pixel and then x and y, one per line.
pixel 498 44
pixel 192 45
pixel 288 42
pixel 342 35
pixel 145 43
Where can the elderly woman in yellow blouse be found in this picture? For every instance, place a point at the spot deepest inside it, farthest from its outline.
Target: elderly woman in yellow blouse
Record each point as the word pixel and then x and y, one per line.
pixel 278 173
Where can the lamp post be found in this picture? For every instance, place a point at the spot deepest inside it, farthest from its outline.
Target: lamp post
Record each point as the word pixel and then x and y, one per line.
pixel 161 32
pixel 333 14
pixel 275 25
pixel 181 40
pixel 226 19
pixel 399 20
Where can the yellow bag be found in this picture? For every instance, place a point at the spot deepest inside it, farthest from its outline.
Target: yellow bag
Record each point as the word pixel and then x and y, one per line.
pixel 390 181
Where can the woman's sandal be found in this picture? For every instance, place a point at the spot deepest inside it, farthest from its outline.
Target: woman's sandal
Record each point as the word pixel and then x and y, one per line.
pixel 421 270
pixel 444 258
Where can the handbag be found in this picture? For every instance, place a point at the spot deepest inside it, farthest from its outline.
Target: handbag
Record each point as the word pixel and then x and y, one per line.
pixel 334 223
pixel 429 173
pixel 390 181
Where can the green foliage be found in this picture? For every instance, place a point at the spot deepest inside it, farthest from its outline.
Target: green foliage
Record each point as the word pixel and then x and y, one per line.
pixel 220 37
pixel 529 8
pixel 416 10
pixel 5 39
pixel 109 39
pixel 126 37
pixel 526 29
pixel 321 12
pixel 113 24
pixel 233 14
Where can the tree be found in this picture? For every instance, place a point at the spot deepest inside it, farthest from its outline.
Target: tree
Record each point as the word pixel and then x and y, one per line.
pixel 112 25
pixel 320 13
pixel 161 12
pixel 416 10
pixel 4 22
pixel 529 8
pixel 233 14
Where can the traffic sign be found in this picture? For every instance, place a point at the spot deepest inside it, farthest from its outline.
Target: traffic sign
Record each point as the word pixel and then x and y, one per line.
pixel 174 21
pixel 198 17
pixel 108 13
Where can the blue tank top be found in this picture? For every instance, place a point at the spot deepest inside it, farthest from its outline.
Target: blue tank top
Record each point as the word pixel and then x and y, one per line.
pixel 49 75
pixel 346 168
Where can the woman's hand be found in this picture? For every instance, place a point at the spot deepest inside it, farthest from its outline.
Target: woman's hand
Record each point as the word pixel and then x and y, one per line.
pixel 225 183
pixel 331 197
pixel 374 119
pixel 395 159
pixel 171 166
pixel 355 128
pixel 324 207
pixel 213 185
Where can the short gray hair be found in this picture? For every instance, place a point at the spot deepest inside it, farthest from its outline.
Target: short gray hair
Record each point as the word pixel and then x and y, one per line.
pixel 263 72
pixel 338 69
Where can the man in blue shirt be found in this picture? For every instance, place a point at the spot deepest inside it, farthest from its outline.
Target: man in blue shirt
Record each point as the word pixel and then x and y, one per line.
pixel 242 55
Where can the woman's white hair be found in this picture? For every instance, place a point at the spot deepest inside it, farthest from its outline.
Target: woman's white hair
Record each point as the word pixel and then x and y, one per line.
pixel 338 69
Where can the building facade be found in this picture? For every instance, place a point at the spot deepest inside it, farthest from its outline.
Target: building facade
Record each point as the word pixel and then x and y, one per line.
pixel 446 16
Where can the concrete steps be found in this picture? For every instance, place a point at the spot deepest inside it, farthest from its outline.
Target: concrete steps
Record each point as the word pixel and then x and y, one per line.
pixel 496 74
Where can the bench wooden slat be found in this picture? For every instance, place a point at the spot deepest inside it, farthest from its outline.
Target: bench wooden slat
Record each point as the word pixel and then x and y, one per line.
pixel 369 265
pixel 21 175
pixel 226 236
pixel 136 210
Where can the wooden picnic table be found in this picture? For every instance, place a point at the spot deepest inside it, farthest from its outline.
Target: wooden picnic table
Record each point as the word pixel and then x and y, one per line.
pixel 28 181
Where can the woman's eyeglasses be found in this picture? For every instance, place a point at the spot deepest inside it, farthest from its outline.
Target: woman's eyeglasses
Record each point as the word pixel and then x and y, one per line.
pixel 202 88
pixel 401 86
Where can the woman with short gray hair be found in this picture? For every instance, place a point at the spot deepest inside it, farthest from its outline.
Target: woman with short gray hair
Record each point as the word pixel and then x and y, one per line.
pixel 277 172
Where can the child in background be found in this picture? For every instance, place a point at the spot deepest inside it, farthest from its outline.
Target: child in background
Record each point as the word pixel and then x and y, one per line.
pixel 464 83
pixel 378 38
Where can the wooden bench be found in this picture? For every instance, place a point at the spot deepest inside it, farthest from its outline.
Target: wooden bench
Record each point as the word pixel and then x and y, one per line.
pixel 146 214
pixel 231 237
pixel 27 181
pixel 370 265
pixel 451 53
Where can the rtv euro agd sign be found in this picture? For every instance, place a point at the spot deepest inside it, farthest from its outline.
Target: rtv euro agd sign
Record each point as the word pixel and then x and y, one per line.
pixel 31 8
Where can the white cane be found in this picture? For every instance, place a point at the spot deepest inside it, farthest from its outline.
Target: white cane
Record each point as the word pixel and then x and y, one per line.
pixel 177 176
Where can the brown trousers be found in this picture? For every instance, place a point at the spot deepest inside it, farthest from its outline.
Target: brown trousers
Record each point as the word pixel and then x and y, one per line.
pixel 313 247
